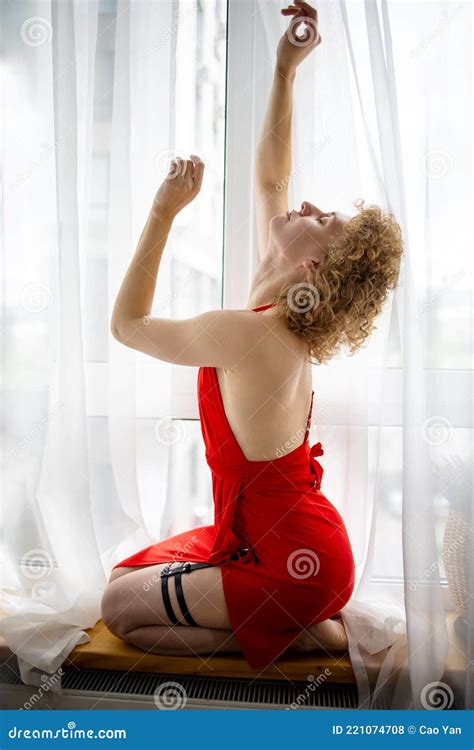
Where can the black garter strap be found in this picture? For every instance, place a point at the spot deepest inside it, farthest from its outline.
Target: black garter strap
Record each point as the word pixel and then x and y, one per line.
pixel 168 571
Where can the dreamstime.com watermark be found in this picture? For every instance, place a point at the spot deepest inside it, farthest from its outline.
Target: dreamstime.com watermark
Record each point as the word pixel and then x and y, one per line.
pixel 438 294
pixel 447 17
pixel 67 733
pixel 303 297
pixel 179 556
pixel 303 162
pixel 35 431
pixel 167 35
pixel 170 696
pixel 437 430
pixel 314 683
pixel 169 431
pixel 434 568
pixel 46 152
pixel 291 443
pixel 48 683
pixel 437 696
pixel 166 301
pixel 303 563
pixel 36 31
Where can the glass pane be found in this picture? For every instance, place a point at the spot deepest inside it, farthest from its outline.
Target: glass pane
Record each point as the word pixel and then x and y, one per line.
pixel 199 113
pixel 196 279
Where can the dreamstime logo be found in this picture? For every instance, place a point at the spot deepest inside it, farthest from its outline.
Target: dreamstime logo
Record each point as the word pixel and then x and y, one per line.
pixel 302 297
pixel 166 301
pixel 170 696
pixel 437 696
pixel 436 430
pixel 302 163
pixel 436 164
pixel 36 563
pixel 302 31
pixel 303 563
pixel 181 552
pixel 35 31
pixel 48 682
pixel 164 166
pixel 291 443
pixel 434 569
pixel 45 153
pixel 314 682
pixel 170 431
pixel 437 295
pixel 35 431
pixel 447 17
pixel 35 297
pixel 188 9
pixel 182 549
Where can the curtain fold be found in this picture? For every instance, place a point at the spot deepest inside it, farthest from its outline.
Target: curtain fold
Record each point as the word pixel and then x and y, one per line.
pixel 61 536
pixel 426 625
pixel 58 596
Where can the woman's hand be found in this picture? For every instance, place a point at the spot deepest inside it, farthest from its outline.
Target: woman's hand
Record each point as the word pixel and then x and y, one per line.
pixel 300 39
pixel 180 186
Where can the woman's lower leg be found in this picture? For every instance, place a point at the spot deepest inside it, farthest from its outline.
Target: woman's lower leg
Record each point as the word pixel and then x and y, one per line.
pixel 182 640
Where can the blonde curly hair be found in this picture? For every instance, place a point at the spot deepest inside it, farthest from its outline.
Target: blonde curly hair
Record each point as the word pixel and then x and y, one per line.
pixel 336 306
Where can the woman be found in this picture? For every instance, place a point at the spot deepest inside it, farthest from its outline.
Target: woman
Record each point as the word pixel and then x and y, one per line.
pixel 276 567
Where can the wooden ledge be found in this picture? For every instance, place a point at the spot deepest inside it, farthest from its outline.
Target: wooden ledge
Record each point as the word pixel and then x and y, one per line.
pixel 106 651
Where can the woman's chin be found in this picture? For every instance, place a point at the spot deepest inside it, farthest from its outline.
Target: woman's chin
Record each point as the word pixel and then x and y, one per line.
pixel 278 221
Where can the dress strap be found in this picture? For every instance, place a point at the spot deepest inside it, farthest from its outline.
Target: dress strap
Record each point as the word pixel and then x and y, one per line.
pixel 316 450
pixel 308 421
pixel 263 307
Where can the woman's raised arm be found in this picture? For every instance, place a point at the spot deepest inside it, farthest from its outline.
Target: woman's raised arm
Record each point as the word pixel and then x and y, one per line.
pixel 273 153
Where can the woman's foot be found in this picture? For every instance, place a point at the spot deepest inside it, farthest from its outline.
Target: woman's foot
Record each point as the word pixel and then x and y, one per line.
pixel 329 635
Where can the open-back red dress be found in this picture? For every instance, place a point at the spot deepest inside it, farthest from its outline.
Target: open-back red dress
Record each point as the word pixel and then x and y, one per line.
pixel 283 548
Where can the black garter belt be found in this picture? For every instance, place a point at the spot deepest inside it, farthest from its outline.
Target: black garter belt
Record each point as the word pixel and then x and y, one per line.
pixel 185 567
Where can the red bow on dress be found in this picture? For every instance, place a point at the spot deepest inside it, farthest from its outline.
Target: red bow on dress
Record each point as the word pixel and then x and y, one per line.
pixel 316 468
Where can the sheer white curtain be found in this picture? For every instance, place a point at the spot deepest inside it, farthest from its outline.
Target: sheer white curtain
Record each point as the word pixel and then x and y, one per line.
pixel 382 113
pixel 73 502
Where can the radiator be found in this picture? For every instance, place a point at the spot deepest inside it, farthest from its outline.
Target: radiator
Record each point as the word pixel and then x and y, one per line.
pixel 105 689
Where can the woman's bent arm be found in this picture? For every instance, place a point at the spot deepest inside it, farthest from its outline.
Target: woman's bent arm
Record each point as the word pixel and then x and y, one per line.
pixel 218 338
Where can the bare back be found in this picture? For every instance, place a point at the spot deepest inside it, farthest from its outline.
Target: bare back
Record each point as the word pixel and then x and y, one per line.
pixel 267 397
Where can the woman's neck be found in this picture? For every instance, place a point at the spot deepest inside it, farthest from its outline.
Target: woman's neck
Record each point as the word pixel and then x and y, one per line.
pixel 267 282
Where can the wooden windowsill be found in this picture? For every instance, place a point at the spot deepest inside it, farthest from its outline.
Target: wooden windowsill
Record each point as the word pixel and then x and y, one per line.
pixel 106 651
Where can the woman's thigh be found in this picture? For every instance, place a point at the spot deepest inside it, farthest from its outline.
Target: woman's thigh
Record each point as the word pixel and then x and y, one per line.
pixel 119 572
pixel 135 600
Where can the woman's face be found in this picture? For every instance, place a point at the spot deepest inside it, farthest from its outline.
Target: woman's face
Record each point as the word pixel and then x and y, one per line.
pixel 301 237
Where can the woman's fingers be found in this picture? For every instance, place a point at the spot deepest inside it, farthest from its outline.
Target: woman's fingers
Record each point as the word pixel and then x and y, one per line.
pixel 192 168
pixel 301 8
pixel 309 10
pixel 177 167
pixel 186 168
pixel 198 170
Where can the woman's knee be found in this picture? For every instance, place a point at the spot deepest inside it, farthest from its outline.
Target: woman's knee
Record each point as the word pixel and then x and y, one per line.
pixel 116 608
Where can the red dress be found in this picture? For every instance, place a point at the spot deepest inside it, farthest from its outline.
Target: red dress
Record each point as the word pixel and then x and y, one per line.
pixel 283 548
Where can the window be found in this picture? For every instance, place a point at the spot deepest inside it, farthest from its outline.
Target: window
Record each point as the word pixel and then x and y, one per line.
pixel 196 263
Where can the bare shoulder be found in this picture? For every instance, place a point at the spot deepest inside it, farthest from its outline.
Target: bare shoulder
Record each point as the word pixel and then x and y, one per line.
pixel 275 348
pixel 217 338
